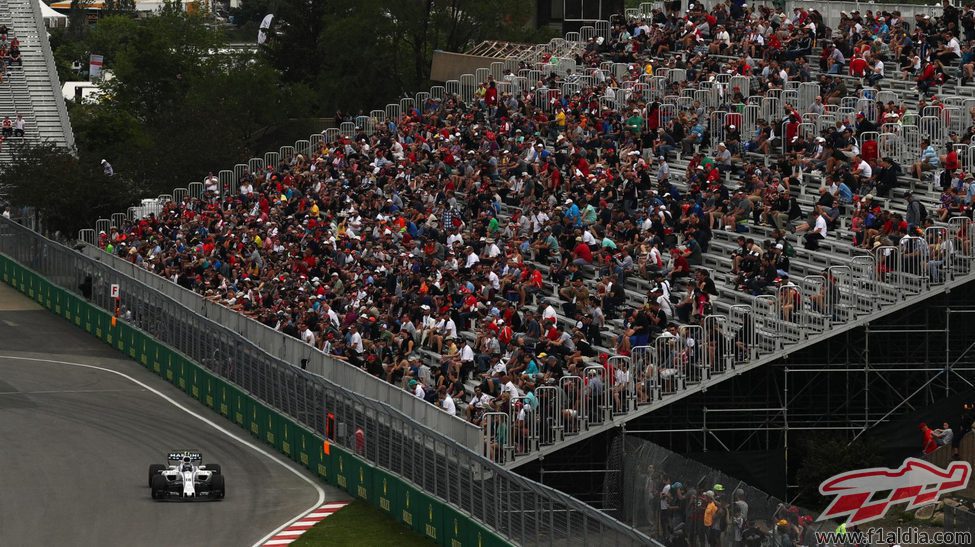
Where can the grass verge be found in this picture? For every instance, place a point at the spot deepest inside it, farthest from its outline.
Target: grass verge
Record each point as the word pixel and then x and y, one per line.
pixel 361 525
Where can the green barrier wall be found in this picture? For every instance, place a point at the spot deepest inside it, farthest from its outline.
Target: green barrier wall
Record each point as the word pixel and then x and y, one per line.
pixel 399 499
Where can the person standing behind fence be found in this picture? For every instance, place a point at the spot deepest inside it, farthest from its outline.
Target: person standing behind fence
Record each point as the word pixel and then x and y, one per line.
pixel 739 515
pixel 650 490
pixel 712 518
pixel 663 517
pixel 696 505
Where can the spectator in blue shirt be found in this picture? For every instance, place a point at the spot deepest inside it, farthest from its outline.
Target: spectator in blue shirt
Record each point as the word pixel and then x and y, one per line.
pixel 572 212
pixel 929 159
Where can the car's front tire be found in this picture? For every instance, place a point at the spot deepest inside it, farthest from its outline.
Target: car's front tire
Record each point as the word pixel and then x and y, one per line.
pixel 158 486
pixel 217 488
pixel 154 470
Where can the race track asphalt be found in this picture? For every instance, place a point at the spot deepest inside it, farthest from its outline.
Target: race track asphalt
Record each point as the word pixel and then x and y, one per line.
pixel 76 443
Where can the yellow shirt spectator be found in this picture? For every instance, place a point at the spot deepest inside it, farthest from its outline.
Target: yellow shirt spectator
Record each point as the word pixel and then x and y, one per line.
pixel 560 118
pixel 709 513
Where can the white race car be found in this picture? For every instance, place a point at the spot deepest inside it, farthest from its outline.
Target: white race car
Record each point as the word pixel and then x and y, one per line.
pixel 185 477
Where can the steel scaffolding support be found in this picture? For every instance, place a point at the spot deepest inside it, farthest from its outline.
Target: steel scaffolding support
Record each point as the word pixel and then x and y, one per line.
pixel 887 369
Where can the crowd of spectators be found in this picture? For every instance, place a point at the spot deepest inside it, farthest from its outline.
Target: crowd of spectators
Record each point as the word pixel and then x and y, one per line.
pixel 492 241
pixel 702 515
pixel 10 56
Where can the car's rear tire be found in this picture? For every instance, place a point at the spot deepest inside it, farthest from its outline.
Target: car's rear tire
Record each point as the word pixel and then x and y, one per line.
pixel 158 486
pixel 154 470
pixel 217 488
pixel 213 467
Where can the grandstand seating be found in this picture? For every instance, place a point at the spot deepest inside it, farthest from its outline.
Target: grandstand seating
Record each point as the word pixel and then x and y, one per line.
pixel 833 288
pixel 33 89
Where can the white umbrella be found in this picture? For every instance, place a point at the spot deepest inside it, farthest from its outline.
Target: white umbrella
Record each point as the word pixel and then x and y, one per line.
pixel 265 26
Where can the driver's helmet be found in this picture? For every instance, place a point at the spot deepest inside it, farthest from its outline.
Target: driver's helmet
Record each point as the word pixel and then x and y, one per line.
pixel 187 466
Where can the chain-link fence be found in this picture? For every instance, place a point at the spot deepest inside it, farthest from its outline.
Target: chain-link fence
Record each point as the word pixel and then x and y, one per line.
pixel 959 519
pixel 520 510
pixel 649 467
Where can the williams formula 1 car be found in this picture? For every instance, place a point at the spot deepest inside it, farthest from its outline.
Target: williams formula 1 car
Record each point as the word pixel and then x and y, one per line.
pixel 185 477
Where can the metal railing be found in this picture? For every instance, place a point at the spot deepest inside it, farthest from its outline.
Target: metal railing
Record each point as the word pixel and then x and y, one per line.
pixel 521 510
pixel 295 352
pixel 52 72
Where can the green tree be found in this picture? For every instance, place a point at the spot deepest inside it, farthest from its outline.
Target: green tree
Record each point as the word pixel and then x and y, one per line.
pixel 362 54
pixel 67 192
pixel 118 6
pixel 179 104
pixel 294 47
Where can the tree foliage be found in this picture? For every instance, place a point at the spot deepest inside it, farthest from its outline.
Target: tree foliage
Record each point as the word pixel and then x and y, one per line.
pixel 179 105
pixel 68 192
pixel 361 54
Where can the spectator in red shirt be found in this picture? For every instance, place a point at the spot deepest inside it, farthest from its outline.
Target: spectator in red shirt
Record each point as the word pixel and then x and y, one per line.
pixel 681 267
pixel 858 66
pixel 927 78
pixel 581 253
pixel 950 160
pixel 928 444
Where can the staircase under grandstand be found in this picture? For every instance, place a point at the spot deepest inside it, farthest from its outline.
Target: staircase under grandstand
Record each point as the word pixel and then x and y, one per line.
pixel 33 89
pixel 833 289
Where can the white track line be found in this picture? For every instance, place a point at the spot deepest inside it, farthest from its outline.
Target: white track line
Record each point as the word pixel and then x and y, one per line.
pixel 211 423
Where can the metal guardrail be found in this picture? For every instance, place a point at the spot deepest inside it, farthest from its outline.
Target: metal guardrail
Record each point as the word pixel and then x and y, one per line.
pixel 521 510
pixel 294 351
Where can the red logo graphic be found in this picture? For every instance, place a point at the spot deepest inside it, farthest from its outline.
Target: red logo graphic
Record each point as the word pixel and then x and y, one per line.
pixel 916 483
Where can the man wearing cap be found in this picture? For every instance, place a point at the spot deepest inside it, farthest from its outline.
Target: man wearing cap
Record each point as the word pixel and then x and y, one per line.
pixel 663 169
pixel 836 60
pixel 732 138
pixel 581 253
pixel 968 189
pixel 722 158
pixel 635 122
pixel 915 212
pixel 864 125
pixel 710 516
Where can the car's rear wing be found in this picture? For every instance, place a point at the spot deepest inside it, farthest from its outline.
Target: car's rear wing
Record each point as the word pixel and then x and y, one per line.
pixel 178 455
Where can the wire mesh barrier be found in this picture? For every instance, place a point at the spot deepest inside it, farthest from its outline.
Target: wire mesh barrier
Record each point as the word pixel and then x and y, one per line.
pixel 958 519
pixel 662 493
pixel 523 511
